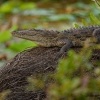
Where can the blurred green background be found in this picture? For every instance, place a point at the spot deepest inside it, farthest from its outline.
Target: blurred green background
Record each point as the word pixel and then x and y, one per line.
pixel 41 14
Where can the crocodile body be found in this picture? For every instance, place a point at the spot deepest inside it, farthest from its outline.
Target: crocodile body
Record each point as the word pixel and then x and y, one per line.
pixel 65 39
pixel 50 38
pixel 39 61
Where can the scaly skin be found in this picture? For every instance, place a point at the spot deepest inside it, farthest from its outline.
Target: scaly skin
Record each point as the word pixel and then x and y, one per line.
pixel 65 39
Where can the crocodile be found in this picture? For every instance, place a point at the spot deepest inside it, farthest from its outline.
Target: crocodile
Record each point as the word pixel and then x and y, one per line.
pixel 39 60
pixel 65 39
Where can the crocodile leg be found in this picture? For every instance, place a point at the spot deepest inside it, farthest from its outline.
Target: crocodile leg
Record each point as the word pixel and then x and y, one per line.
pixel 68 44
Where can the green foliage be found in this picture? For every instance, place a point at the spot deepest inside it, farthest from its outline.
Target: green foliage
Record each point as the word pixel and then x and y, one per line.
pixel 62 17
pixel 94 19
pixel 97 3
pixel 21 45
pixel 6 35
pixel 65 85
pixel 16 7
pixel 69 85
pixel 76 25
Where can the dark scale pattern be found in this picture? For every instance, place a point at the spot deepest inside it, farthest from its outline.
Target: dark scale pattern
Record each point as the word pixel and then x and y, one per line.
pixel 27 63
pixel 32 62
pixel 80 30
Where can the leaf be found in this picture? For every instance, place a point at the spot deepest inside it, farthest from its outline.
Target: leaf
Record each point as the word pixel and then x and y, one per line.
pixel 27 6
pixel 6 35
pixel 7 7
pixel 94 19
pixel 62 17
pixel 22 45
